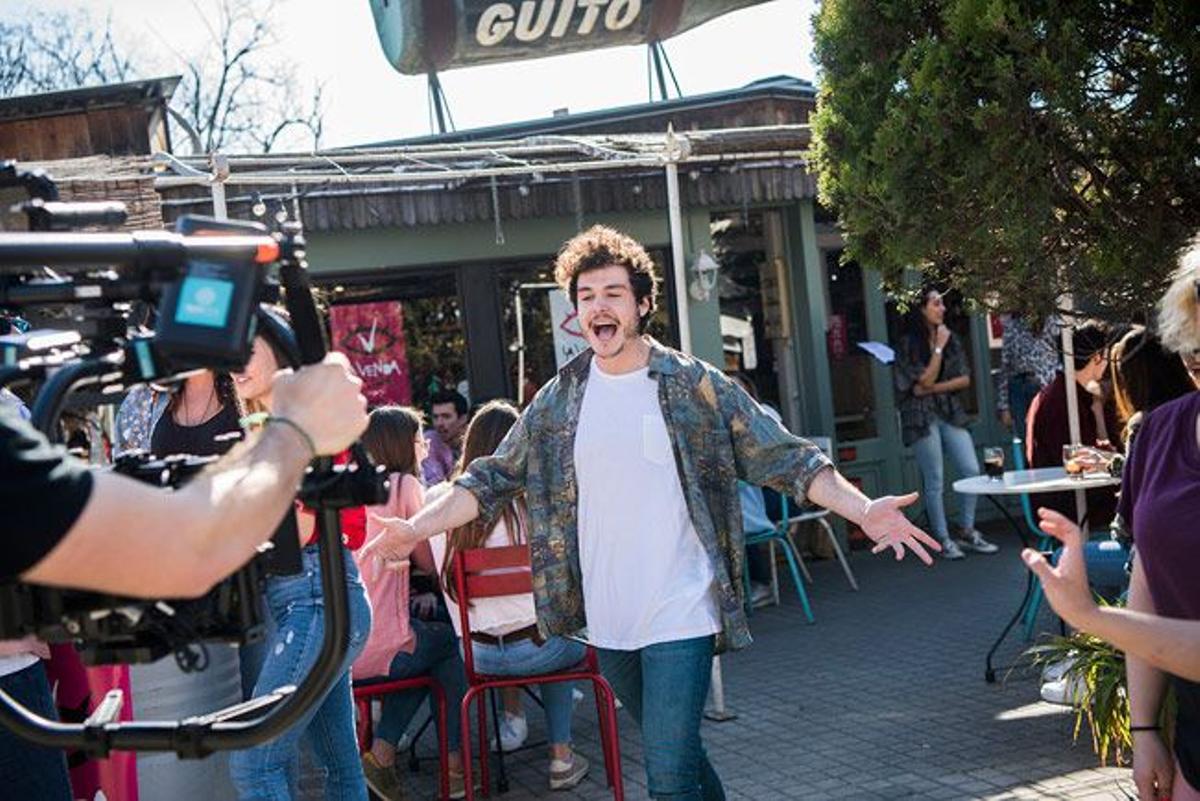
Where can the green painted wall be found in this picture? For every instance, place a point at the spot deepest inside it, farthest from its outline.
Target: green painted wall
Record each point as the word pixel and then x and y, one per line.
pixel 387 249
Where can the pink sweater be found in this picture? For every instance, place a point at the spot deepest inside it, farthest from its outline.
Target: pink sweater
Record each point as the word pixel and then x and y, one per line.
pixel 387 586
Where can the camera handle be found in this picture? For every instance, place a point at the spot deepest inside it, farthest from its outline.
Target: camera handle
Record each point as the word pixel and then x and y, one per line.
pixel 222 730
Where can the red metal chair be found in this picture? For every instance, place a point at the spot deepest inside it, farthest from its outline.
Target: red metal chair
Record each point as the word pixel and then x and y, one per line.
pixel 366 690
pixel 475 577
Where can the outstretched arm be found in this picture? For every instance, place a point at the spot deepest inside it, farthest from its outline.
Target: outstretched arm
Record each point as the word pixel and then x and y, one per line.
pixel 1168 644
pixel 396 537
pixel 881 519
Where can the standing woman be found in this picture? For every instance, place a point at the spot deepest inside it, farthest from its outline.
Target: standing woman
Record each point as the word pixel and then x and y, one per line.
pixel 199 418
pixel 931 372
pixel 297 608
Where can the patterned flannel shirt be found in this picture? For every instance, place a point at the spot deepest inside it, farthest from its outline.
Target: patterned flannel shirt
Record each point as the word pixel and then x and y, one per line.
pixel 917 412
pixel 718 433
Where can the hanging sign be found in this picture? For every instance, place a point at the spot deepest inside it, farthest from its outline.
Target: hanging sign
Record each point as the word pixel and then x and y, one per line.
pixel 420 36
pixel 372 337
pixel 569 341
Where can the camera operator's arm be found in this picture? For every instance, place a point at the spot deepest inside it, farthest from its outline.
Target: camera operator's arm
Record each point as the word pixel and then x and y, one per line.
pixel 133 539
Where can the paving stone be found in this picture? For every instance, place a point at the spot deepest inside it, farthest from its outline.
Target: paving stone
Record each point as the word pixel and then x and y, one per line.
pixel 883 697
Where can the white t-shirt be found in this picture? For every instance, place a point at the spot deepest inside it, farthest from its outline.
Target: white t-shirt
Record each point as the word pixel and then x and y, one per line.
pixel 496 616
pixel 646 577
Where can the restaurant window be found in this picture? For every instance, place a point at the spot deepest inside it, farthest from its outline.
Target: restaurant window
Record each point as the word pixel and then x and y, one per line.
pixel 753 330
pixel 548 335
pixel 413 325
pixel 850 373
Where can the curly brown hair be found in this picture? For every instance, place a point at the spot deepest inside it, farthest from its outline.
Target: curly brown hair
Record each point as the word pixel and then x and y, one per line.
pixel 601 246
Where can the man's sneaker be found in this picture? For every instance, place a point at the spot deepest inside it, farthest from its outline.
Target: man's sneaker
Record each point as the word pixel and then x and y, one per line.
pixel 973 541
pixel 565 775
pixel 513 732
pixel 383 781
pixel 951 551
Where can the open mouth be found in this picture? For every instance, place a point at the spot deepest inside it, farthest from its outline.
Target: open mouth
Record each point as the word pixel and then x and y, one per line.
pixel 604 330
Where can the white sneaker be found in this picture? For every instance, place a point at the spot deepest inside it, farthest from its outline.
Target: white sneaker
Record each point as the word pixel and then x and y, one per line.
pixel 565 775
pixel 1067 691
pixel 973 541
pixel 1056 670
pixel 513 732
pixel 951 551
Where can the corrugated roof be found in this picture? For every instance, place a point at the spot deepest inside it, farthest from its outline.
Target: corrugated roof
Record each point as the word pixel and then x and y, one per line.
pixel 779 86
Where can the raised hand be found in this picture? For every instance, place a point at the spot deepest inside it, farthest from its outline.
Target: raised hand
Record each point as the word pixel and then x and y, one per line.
pixel 886 525
pixel 1065 584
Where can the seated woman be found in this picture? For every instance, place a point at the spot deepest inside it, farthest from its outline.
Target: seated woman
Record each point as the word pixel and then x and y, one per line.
pixel 401 646
pixel 504 630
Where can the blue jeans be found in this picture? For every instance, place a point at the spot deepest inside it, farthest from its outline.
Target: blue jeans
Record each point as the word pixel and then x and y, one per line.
pixel 298 609
pixel 437 654
pixel 28 770
pixel 664 687
pixel 526 658
pixel 928 453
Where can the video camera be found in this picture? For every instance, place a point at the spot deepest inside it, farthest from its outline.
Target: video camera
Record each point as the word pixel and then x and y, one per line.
pixel 210 281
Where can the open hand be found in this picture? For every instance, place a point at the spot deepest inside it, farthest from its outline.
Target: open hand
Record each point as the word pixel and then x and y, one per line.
pixel 1065 584
pixel 885 523
pixel 395 540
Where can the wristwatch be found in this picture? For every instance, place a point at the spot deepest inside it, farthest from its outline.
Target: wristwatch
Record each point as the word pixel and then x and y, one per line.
pixel 937 351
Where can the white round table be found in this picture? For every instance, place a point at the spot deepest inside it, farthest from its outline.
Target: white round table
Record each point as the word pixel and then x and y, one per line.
pixel 1026 482
pixel 1031 482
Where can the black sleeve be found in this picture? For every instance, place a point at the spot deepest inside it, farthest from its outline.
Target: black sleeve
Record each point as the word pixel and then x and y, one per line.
pixel 42 492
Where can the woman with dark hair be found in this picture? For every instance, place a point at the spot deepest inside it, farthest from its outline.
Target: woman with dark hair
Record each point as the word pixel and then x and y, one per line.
pixel 401 646
pixel 297 607
pixel 931 371
pixel 1144 376
pixel 504 630
pixel 199 417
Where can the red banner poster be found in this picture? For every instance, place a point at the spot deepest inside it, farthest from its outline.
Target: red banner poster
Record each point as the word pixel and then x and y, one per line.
pixel 77 691
pixel 372 337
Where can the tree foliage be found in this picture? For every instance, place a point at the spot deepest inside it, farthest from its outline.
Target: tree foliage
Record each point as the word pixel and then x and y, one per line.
pixel 238 94
pixel 1019 150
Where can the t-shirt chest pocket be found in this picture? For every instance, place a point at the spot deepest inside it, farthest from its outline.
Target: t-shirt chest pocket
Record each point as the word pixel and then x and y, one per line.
pixel 656 444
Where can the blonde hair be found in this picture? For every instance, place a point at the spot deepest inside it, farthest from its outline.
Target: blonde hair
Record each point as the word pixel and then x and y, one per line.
pixel 1178 326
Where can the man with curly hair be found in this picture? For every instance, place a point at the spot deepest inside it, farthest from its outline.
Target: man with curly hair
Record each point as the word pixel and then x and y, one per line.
pixel 629 460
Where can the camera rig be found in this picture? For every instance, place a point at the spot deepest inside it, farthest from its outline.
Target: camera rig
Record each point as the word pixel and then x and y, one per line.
pixel 208 289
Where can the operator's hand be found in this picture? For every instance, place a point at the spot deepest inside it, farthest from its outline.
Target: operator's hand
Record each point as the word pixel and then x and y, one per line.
pixel 396 539
pixel 1065 584
pixel 885 523
pixel 942 336
pixel 325 400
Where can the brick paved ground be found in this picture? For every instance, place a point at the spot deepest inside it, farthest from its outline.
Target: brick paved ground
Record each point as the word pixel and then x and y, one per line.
pixel 882 698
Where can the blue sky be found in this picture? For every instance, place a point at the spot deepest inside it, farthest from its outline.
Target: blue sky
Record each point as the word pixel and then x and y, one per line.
pixel 366 100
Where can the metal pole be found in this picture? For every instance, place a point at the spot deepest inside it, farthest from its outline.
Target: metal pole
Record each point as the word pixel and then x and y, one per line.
pixel 717 712
pixel 1068 343
pixel 520 351
pixel 679 265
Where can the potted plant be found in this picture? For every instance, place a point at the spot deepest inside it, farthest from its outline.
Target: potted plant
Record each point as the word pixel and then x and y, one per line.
pixel 1099 694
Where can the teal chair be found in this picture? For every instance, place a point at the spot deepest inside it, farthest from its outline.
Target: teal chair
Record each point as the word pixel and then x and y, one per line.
pixel 779 534
pixel 1044 542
